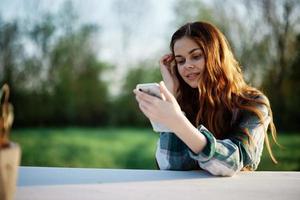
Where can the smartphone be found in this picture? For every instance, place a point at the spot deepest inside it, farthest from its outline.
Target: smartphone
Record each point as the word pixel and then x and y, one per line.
pixel 154 90
pixel 150 88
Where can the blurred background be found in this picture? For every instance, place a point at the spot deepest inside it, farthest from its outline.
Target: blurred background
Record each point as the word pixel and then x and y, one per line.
pixel 72 66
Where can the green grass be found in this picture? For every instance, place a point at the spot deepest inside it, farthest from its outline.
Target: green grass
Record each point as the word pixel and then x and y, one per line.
pixel 288 156
pixel 129 148
pixel 85 147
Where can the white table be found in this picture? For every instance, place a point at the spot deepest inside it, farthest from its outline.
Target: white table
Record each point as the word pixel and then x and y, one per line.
pixel 43 183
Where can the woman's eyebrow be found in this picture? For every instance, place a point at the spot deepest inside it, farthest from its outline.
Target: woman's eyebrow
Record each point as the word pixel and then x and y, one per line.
pixel 190 52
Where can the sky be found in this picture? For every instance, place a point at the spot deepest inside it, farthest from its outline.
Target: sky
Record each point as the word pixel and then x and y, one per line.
pixel 151 21
pixel 151 26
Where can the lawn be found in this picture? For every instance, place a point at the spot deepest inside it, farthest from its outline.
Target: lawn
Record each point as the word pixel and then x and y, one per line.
pixel 129 148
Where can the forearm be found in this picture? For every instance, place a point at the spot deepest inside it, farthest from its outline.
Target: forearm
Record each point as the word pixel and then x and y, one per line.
pixel 173 154
pixel 189 134
pixel 228 156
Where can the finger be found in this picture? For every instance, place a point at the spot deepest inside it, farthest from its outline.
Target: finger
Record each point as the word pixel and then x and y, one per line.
pixel 168 95
pixel 145 106
pixel 166 59
pixel 147 97
pixel 170 58
pixel 146 109
pixel 135 91
pixel 162 59
pixel 149 102
pixel 142 101
pixel 140 96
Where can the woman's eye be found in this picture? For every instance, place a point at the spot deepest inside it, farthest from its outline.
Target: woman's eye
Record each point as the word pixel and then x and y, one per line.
pixel 180 62
pixel 197 57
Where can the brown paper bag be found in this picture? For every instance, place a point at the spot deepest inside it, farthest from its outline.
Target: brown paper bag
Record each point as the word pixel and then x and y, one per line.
pixel 9 163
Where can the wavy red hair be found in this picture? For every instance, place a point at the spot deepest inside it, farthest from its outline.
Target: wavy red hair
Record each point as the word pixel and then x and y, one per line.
pixel 222 89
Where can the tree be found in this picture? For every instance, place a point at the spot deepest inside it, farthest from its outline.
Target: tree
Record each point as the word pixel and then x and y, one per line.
pixel 10 50
pixel 281 18
pixel 79 93
pixel 60 82
pixel 125 104
pixel 291 92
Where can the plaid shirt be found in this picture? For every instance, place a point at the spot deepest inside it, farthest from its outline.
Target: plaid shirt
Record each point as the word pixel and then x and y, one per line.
pixel 219 157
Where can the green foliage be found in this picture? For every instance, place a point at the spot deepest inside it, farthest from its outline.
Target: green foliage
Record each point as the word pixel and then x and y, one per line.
pixel 285 98
pixel 129 148
pixel 42 33
pixel 80 147
pixel 288 156
pixel 79 93
pixel 61 81
pixel 291 92
pixel 125 110
pixel 10 51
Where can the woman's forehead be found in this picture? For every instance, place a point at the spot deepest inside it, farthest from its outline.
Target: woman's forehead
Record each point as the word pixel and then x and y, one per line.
pixel 185 45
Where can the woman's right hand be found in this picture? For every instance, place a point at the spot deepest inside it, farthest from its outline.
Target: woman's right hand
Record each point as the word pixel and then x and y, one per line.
pixel 167 73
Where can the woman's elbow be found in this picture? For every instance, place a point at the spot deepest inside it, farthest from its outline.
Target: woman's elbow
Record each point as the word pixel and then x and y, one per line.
pixel 218 168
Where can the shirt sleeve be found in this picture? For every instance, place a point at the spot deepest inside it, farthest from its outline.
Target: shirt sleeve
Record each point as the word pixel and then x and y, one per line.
pixel 173 154
pixel 228 156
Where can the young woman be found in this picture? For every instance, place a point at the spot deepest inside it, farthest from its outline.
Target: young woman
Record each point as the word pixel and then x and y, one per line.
pixel 218 123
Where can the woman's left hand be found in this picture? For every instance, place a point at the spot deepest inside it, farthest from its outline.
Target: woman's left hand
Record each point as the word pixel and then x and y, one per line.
pixel 166 111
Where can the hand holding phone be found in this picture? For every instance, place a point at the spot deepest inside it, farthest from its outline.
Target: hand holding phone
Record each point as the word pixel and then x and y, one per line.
pixel 154 90
pixel 150 88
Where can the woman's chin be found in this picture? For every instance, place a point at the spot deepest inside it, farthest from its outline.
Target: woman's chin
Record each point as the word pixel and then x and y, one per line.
pixel 193 85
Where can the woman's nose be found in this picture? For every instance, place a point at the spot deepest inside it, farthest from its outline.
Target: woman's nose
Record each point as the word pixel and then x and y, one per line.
pixel 188 65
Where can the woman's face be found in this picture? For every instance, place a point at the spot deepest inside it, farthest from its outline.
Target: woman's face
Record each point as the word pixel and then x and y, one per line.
pixel 190 60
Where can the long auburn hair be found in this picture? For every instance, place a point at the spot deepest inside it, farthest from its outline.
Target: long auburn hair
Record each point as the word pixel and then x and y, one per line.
pixel 222 89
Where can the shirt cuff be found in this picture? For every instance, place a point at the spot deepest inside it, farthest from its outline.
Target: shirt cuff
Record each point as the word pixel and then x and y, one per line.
pixel 209 150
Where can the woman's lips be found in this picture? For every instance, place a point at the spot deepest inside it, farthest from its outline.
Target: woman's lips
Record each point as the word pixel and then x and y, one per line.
pixel 193 76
